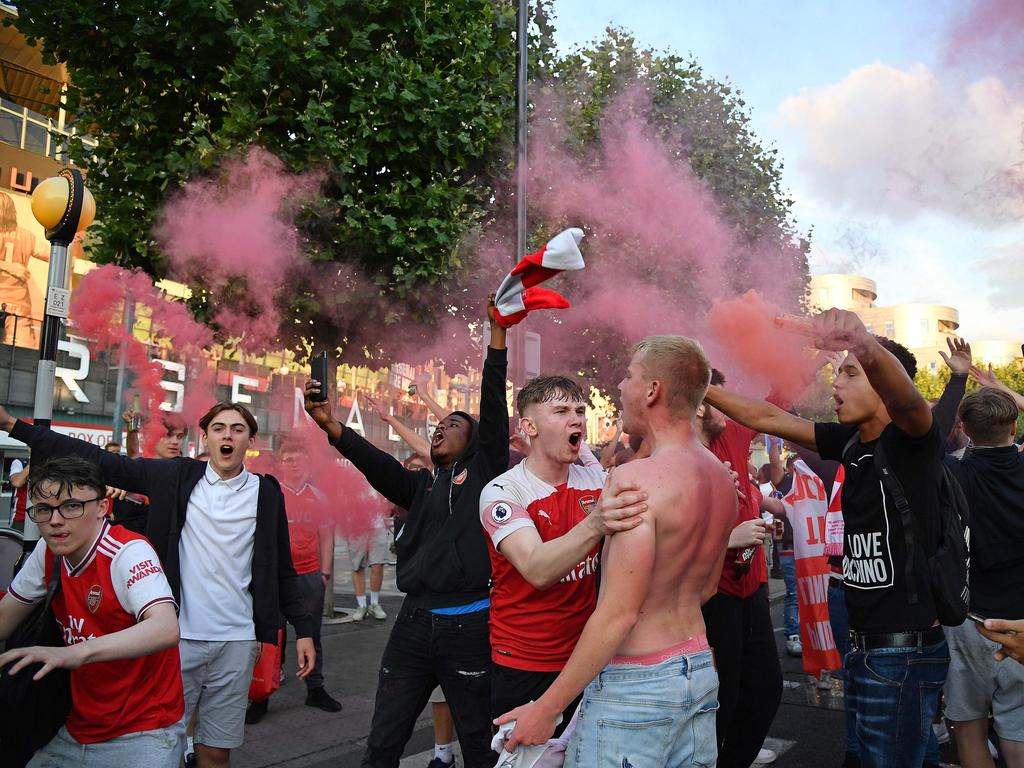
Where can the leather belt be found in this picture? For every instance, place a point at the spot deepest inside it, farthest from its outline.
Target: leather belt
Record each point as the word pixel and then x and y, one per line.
pixel 870 641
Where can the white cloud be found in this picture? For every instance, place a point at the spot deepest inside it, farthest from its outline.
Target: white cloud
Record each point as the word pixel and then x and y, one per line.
pixel 900 143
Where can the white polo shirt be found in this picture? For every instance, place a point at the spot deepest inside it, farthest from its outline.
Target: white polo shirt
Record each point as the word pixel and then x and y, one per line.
pixel 215 552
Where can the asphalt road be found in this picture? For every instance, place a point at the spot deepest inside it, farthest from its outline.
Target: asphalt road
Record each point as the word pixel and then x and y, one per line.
pixel 807 732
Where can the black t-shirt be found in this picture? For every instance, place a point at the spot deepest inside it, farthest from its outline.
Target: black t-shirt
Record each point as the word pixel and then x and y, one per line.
pixel 874 551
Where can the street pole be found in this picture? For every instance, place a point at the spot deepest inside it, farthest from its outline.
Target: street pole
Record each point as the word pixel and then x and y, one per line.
pixel 64 207
pixel 129 324
pixel 516 342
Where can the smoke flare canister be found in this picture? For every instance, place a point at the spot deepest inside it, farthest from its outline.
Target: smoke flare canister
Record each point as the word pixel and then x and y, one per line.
pixel 803 326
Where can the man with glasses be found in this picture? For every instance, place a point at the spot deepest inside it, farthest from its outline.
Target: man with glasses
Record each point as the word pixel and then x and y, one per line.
pixel 117 615
pixel 222 535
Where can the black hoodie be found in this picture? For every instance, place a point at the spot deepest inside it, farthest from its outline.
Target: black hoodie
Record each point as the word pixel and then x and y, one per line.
pixel 993 483
pixel 442 550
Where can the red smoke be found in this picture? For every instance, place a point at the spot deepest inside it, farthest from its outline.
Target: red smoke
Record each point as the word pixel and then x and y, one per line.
pixel 233 235
pixel 766 356
pixel 97 312
pixel 990 33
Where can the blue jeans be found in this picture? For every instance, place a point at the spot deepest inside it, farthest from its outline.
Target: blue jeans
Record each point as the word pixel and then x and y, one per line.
pixel 894 694
pixel 787 564
pixel 646 716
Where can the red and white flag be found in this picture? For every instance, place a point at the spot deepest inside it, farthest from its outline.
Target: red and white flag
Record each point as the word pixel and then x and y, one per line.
pixel 519 293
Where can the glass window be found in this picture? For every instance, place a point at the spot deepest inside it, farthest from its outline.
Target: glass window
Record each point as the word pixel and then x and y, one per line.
pixel 8 104
pixel 10 128
pixel 35 138
pixel 890 329
pixel 925 325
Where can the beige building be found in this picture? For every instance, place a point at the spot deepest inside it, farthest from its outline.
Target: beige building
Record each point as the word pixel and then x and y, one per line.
pixel 922 328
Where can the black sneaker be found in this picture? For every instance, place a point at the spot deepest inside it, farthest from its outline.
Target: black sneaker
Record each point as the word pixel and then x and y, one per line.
pixel 320 699
pixel 191 761
pixel 255 711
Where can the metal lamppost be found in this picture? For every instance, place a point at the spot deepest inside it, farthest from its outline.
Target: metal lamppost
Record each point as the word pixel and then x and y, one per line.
pixel 516 342
pixel 64 207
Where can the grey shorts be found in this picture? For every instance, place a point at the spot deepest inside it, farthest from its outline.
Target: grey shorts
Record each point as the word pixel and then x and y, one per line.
pixel 161 748
pixel 371 549
pixel 216 675
pixel 977 683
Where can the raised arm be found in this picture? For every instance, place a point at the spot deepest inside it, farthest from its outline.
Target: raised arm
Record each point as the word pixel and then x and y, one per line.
pixel 839 329
pixel 959 362
pixel 762 416
pixel 988 378
pixel 416 441
pixel 493 406
pixel 382 470
pixel 129 474
pixel 432 405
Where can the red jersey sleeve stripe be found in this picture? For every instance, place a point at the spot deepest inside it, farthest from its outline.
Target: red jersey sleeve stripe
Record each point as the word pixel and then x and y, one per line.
pixel 151 603
pixel 21 599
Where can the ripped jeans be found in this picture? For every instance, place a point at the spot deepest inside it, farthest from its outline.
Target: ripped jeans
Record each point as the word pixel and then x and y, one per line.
pixel 425 650
pixel 635 716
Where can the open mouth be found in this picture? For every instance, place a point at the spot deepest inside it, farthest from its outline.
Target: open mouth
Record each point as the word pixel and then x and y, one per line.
pixel 575 438
pixel 839 401
pixel 226 450
pixel 438 437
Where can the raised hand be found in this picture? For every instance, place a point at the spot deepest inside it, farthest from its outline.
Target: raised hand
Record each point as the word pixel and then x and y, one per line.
pixel 375 406
pixel 318 410
pixel 959 357
pixel 985 377
pixel 836 330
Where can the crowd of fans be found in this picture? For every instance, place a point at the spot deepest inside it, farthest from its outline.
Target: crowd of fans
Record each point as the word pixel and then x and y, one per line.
pixel 559 608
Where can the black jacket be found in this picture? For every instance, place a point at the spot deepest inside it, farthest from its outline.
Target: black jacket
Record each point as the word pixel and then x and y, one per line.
pixel 442 549
pixel 168 483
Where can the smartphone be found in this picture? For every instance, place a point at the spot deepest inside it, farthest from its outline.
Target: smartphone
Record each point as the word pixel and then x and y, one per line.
pixel 976 618
pixel 318 372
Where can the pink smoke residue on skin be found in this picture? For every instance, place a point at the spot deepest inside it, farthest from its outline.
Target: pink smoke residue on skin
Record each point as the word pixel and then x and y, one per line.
pixel 232 233
pixel 97 312
pixel 990 32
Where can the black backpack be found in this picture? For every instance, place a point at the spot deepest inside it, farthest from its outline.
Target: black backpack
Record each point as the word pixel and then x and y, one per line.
pixel 948 566
pixel 32 711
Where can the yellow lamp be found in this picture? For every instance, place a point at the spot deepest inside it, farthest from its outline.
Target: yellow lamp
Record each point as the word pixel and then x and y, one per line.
pixel 88 209
pixel 50 201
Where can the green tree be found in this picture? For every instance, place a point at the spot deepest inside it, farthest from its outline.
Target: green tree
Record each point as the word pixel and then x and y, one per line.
pixel 407 104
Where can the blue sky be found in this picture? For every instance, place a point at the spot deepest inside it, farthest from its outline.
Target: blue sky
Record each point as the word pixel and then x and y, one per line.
pixel 893 152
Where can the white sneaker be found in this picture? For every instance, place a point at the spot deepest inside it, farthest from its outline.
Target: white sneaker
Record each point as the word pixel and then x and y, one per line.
pixel 941 732
pixel 360 613
pixel 377 612
pixel 793 646
pixel 765 757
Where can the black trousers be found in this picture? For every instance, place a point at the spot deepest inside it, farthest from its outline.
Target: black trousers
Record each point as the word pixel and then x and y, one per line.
pixel 511 688
pixel 424 650
pixel 749 674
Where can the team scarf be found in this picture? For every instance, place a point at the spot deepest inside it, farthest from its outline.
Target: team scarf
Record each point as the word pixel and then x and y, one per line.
pixel 807 506
pixel 520 292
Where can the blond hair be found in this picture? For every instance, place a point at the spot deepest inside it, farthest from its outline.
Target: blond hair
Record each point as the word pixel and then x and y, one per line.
pixel 681 366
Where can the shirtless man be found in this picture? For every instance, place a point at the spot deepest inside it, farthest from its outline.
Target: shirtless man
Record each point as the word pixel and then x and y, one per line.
pixel 645 640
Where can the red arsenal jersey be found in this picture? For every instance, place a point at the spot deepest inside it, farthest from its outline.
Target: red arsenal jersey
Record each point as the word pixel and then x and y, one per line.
pixel 305 508
pixel 733 445
pixel 531 629
pixel 107 592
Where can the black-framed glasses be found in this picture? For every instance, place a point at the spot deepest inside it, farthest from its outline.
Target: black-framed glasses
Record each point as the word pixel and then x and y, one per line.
pixel 69 510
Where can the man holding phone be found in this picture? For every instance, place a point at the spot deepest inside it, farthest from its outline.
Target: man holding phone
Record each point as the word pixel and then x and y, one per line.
pixel 441 634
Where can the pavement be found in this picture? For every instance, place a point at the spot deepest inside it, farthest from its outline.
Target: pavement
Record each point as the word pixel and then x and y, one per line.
pixel 808 731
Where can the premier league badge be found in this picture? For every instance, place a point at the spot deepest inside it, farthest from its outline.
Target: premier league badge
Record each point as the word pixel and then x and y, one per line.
pixel 92 600
pixel 501 513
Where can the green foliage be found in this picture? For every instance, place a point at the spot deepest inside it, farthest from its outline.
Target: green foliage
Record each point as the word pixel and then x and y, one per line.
pixel 407 104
